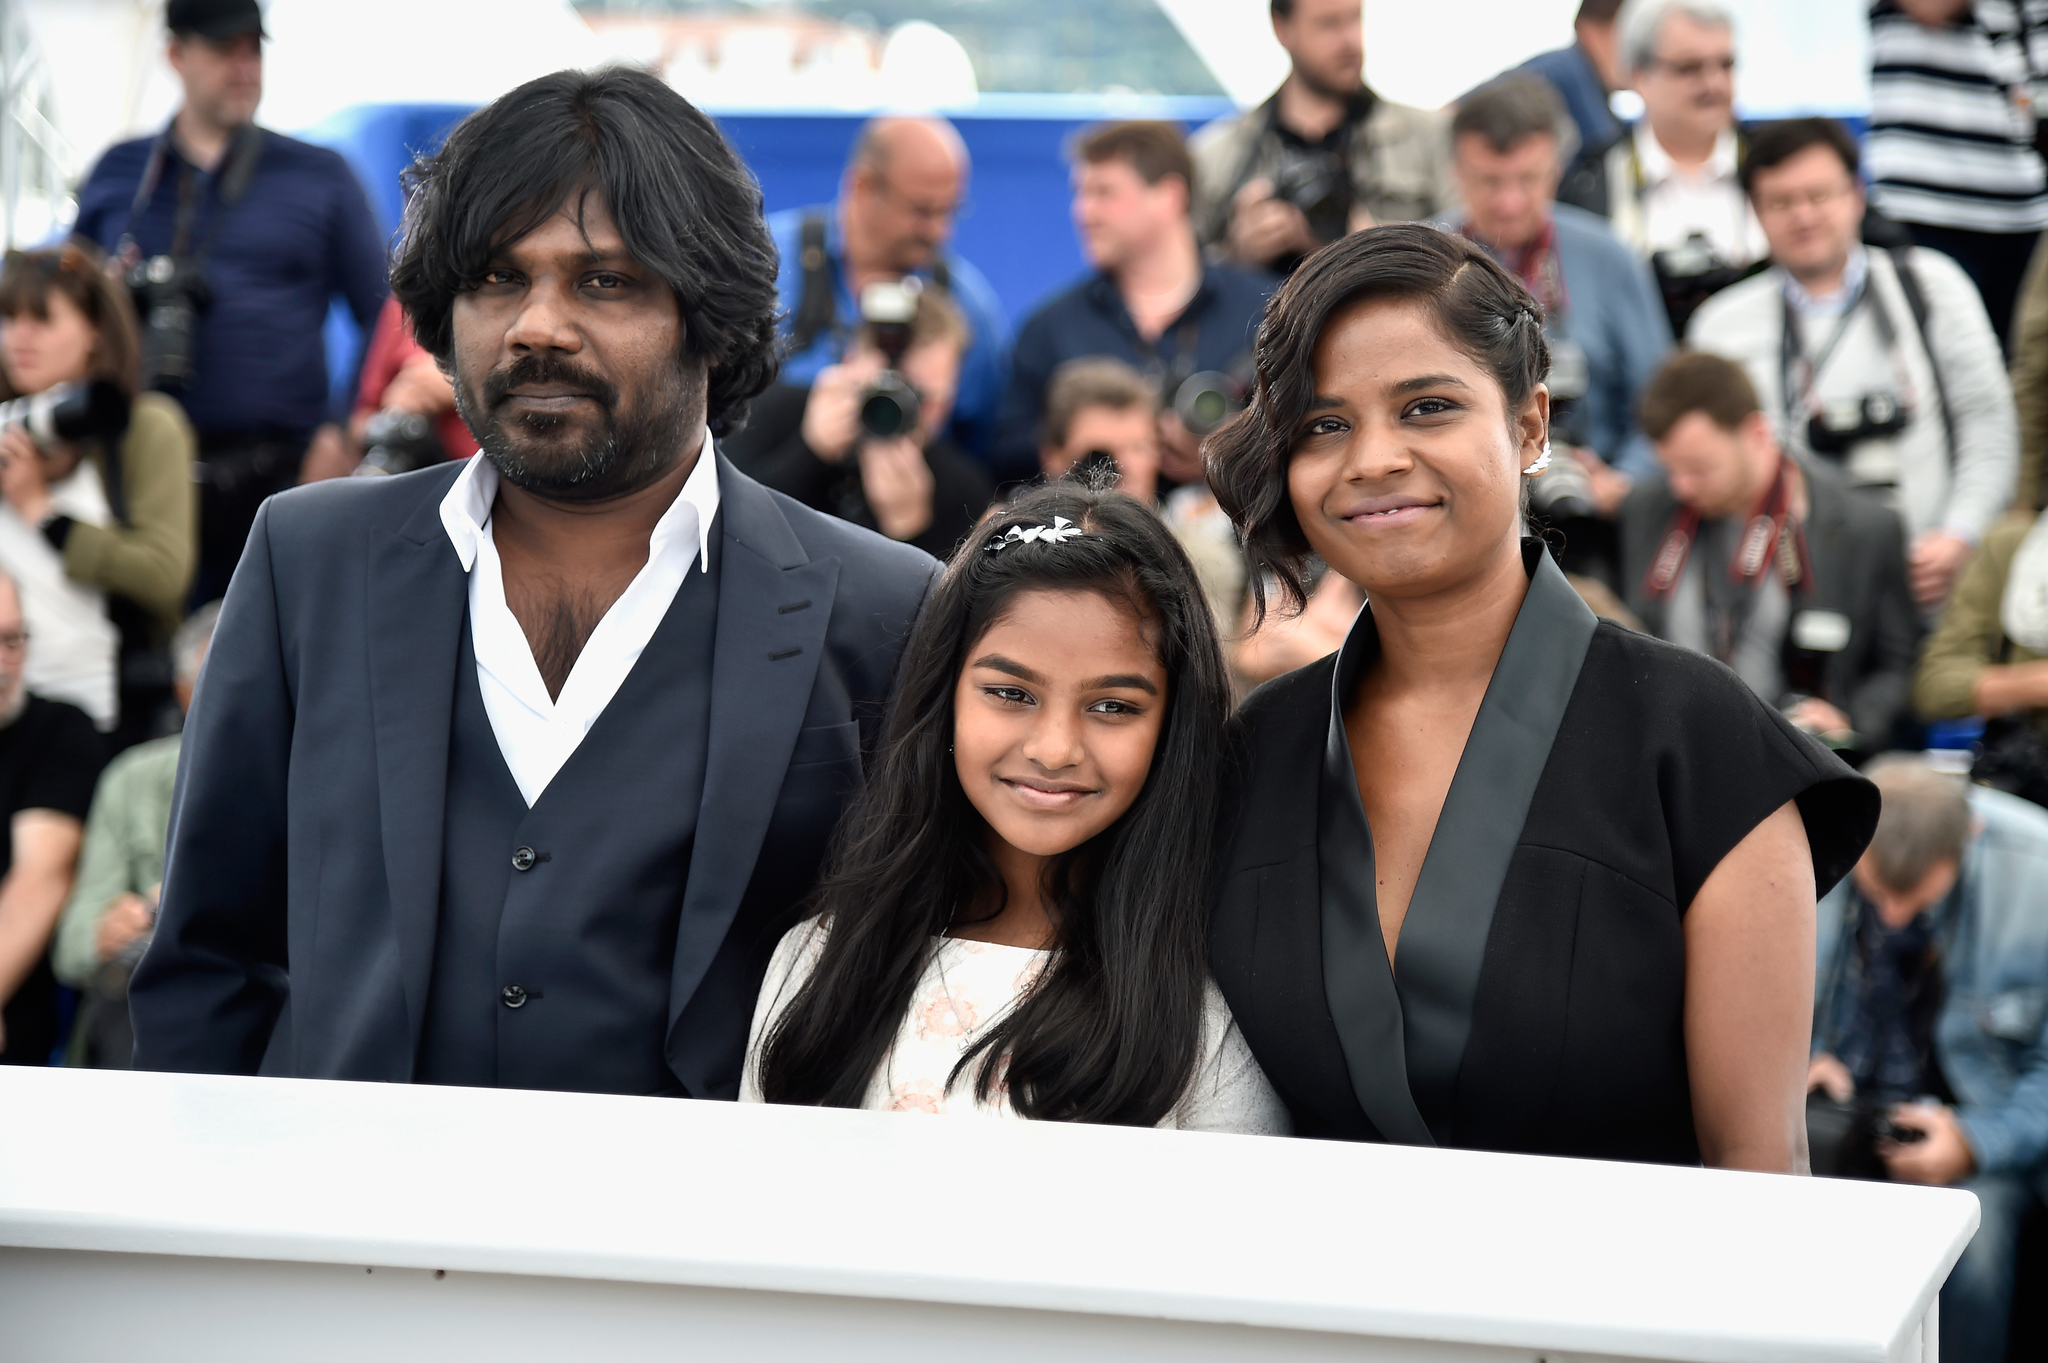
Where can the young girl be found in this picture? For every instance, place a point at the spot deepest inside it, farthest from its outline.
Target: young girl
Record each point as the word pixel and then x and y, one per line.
pixel 1014 921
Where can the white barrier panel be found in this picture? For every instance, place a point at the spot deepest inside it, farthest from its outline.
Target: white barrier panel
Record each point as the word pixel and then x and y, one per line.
pixel 177 1217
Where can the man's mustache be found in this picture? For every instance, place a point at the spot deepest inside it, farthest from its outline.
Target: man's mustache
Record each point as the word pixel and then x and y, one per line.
pixel 541 369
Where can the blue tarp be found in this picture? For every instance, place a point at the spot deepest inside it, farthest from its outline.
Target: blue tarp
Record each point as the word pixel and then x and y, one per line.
pixel 1018 229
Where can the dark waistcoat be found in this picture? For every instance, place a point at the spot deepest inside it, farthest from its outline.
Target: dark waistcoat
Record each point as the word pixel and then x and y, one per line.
pixel 557 928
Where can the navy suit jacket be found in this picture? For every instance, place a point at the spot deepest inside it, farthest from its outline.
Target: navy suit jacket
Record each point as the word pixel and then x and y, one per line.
pixel 302 883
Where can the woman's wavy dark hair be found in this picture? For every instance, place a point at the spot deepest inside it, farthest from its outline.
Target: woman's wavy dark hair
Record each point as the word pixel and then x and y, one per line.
pixel 686 206
pixel 1481 308
pixel 1111 1032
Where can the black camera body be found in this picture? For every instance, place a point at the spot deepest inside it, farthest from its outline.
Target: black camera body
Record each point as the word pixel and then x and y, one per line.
pixel 890 406
pixel 1839 427
pixel 1318 183
pixel 398 442
pixel 169 294
pixel 94 410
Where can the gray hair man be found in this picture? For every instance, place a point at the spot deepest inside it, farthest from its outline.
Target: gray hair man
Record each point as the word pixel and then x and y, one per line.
pixel 1671 190
pixel 1933 962
pixel 108 919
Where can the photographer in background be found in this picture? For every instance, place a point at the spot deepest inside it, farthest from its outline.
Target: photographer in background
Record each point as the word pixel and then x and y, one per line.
pixel 235 240
pixel 49 759
pixel 866 442
pixel 1881 362
pixel 1670 189
pixel 1772 566
pixel 1930 1055
pixel 1324 157
pixel 1586 75
pixel 98 532
pixel 902 190
pixel 107 922
pixel 1152 301
pixel 405 415
pixel 1101 421
pixel 1607 334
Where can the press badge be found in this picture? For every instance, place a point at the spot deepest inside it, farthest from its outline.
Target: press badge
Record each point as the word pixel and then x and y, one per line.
pixel 1820 631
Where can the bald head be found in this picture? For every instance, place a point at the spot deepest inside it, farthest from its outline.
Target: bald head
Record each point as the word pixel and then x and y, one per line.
pixel 903 184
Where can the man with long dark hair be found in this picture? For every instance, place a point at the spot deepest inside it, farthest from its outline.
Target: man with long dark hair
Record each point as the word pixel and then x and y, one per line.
pixel 510 773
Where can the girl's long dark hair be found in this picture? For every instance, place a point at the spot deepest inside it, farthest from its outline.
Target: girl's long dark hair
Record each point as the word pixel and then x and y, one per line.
pixel 1111 1032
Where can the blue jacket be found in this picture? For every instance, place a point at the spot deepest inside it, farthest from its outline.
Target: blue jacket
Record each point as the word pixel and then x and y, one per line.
pixel 1990 1039
pixel 1571 71
pixel 1614 313
pixel 1215 331
pixel 300 237
pixel 983 370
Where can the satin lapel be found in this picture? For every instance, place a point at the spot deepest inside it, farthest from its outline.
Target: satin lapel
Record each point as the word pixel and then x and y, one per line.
pixel 765 655
pixel 1443 939
pixel 1357 980
pixel 418 596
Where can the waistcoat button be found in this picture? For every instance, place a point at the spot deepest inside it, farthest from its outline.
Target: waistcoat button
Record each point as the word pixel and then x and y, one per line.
pixel 523 859
pixel 514 995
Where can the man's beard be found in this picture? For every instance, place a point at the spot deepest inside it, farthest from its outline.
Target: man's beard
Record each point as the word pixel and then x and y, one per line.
pixel 1346 85
pixel 538 451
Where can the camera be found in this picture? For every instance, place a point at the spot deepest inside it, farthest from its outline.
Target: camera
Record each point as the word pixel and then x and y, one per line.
pixel 69 411
pixel 1689 274
pixel 890 407
pixel 1317 183
pixel 1839 427
pixel 398 442
pixel 1206 400
pixel 169 296
pixel 1564 492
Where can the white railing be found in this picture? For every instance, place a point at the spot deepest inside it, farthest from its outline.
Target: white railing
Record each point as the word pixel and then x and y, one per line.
pixel 162 1216
pixel 38 166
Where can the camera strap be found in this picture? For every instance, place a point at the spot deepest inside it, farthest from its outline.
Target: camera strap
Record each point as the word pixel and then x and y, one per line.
pixel 817 308
pixel 237 170
pixel 1916 303
pixel 1771 537
pixel 1799 373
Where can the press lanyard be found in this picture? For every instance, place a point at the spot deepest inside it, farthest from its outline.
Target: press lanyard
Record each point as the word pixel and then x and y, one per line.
pixel 1800 376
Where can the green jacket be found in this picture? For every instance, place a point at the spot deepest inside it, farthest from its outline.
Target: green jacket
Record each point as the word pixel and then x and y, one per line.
pixel 1971 637
pixel 148 556
pixel 123 851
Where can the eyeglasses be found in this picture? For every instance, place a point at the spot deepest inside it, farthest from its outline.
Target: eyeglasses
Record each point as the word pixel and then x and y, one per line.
pixel 1698 67
pixel 1777 205
pixel 13 640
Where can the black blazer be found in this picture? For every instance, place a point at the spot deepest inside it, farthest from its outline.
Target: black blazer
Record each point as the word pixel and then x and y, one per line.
pixel 1858 551
pixel 1564 915
pixel 302 881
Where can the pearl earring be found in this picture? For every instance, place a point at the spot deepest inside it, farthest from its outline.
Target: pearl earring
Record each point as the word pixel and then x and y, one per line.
pixel 1542 460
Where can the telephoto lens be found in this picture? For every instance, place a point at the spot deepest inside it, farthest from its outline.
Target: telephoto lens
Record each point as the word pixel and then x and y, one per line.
pixel 398 442
pixel 889 407
pixel 1206 400
pixel 69 411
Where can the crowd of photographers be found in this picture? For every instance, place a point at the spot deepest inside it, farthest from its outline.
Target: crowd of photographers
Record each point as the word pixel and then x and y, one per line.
pixel 1788 435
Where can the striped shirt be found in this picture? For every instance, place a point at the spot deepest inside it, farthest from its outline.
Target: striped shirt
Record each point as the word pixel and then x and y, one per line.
pixel 1949 145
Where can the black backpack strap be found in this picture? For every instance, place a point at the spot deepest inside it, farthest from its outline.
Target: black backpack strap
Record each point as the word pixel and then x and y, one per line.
pixel 816 311
pixel 1916 303
pixel 942 273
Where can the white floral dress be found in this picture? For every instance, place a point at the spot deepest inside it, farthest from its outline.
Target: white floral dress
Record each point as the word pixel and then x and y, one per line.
pixel 965 987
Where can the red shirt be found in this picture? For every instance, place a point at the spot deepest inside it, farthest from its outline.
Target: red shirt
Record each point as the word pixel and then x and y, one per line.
pixel 392 348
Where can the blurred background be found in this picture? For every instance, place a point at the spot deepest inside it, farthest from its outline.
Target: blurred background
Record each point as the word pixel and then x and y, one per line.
pixel 792 80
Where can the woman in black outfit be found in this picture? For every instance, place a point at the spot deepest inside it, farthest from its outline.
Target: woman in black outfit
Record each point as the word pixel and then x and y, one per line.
pixel 1500 875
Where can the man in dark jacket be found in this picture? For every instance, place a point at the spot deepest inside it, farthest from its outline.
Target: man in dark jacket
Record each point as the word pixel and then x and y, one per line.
pixel 512 772
pixel 1778 569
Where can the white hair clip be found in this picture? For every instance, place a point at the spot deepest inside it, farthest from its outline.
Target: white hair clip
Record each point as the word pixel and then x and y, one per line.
pixel 1542 460
pixel 1059 532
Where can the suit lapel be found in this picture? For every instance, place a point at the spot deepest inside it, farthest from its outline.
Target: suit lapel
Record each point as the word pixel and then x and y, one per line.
pixel 774 605
pixel 418 596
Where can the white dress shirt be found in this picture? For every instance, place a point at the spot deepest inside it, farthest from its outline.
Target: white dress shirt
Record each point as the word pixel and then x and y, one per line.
pixel 1677 203
pixel 537 734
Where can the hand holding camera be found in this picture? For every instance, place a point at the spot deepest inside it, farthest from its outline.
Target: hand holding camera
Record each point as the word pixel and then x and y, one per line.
pixel 1265 227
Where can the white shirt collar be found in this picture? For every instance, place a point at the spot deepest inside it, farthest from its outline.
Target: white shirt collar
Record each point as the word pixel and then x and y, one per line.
pixel 1657 165
pixel 466 508
pixel 1826 304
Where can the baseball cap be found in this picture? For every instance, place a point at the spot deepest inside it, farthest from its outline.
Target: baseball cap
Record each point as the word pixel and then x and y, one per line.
pixel 214 18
